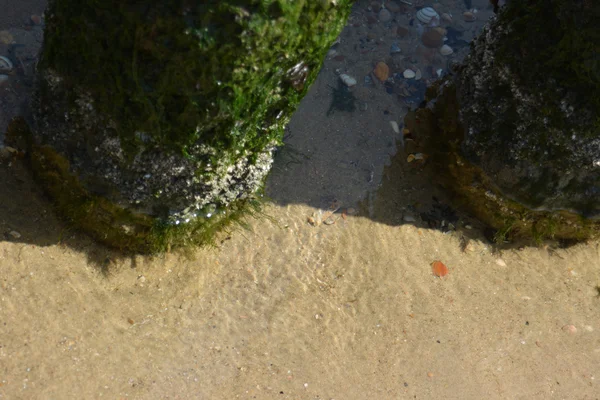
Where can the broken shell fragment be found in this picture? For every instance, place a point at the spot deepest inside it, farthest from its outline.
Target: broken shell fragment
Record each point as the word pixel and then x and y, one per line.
pixel 426 14
pixel 395 126
pixel 446 50
pixel 5 64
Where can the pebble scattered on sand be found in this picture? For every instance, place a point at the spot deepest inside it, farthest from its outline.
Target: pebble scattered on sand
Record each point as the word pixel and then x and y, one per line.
pixel 385 15
pixel 570 329
pixel 409 74
pixel 382 71
pixel 348 80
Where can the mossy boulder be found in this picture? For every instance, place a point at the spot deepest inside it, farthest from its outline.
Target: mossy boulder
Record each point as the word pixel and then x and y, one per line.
pixel 164 113
pixel 516 129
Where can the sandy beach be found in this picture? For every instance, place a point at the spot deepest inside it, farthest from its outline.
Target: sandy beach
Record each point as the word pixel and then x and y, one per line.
pixel 303 304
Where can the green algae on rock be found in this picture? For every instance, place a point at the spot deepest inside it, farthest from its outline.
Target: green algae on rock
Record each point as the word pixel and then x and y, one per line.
pixel 515 132
pixel 167 112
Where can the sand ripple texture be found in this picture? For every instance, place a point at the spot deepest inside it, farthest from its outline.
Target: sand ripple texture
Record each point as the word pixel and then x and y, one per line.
pixel 346 311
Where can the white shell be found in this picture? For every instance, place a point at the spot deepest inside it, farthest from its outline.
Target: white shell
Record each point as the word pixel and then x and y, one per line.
pixel 446 50
pixel 5 64
pixel 348 80
pixel 395 126
pixel 426 14
pixel 409 74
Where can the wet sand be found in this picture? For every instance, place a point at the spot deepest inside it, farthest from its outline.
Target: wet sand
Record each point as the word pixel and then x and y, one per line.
pixel 288 310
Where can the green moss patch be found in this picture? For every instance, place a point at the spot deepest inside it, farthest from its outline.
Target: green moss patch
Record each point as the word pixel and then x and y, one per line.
pixel 474 191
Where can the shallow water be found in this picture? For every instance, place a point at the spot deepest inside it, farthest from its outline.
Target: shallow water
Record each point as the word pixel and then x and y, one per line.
pixel 287 310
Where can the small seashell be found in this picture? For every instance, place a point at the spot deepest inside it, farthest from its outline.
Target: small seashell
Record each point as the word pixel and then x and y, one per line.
pixel 395 126
pixel 469 16
pixel 410 158
pixel 426 14
pixel 5 64
pixel 409 74
pixel 439 72
pixel 446 50
pixel 348 80
pixel 439 269
pixel 418 75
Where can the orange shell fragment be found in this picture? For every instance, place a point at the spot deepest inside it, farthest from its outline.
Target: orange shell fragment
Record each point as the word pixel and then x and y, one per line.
pixel 439 269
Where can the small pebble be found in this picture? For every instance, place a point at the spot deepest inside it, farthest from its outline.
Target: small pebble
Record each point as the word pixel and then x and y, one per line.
pixel 14 234
pixel 446 50
pixel 392 6
pixel 570 329
pixel 469 16
pixel 430 374
pixel 382 71
pixel 348 80
pixel 6 37
pixel 395 49
pixel 395 126
pixel 385 15
pixel 409 218
pixel 500 262
pixel 409 74
pixel 402 31
pixel 36 19
pixel 3 79
pixel 418 74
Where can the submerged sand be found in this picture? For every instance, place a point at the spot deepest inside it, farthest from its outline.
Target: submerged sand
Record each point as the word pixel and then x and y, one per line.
pixel 288 310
